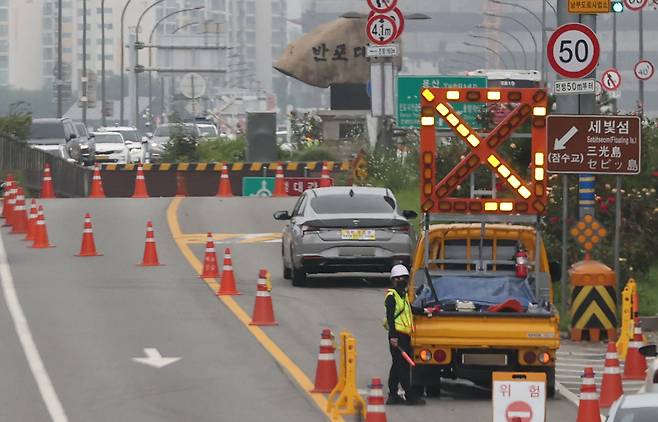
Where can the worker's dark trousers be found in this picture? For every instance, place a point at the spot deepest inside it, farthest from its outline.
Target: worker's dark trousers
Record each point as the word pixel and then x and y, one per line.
pixel 399 373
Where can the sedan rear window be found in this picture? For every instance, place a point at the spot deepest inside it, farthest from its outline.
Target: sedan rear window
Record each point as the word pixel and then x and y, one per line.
pixel 359 204
pixel 642 414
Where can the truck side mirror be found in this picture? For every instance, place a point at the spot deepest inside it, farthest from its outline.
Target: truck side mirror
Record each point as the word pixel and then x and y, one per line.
pixel 555 269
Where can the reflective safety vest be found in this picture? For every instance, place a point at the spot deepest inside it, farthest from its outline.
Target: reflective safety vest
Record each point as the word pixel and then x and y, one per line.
pixel 403 319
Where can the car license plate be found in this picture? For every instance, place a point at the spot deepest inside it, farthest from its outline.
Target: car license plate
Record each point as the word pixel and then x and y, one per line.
pixel 357 234
pixel 102 157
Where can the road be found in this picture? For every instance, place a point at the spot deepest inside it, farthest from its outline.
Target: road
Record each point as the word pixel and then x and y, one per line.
pixel 90 316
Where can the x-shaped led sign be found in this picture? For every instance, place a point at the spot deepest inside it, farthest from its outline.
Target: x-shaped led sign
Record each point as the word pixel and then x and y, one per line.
pixel 530 196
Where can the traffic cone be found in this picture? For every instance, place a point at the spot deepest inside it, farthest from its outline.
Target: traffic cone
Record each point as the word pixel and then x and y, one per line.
pixel 140 184
pixel 9 181
pixel 32 221
pixel 150 258
pixel 88 247
pixel 19 219
pixel 9 203
pixel 181 186
pixel 224 183
pixel 227 287
pixel 97 184
pixel 325 372
pixel 611 385
pixel 41 232
pixel 588 408
pixel 210 269
pixel 279 183
pixel 325 179
pixel 375 410
pixel 47 190
pixel 263 311
pixel 635 365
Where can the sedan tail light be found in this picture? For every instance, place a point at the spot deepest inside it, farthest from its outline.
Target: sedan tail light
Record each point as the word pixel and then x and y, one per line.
pixel 310 230
pixel 399 229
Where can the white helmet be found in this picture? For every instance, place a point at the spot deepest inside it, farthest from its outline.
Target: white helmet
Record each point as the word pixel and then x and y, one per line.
pixel 399 270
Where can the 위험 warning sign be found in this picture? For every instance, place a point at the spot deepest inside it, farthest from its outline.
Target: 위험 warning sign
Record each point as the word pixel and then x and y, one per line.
pixel 519 397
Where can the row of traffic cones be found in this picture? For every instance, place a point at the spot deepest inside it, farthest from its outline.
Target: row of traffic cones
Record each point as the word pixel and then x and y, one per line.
pixel 16 217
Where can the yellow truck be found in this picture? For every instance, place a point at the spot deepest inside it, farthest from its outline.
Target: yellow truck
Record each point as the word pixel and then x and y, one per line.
pixel 484 311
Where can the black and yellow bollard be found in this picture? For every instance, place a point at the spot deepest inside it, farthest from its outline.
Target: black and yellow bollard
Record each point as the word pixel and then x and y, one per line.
pixel 593 301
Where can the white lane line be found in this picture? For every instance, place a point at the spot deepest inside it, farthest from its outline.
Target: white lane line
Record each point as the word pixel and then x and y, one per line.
pixel 39 373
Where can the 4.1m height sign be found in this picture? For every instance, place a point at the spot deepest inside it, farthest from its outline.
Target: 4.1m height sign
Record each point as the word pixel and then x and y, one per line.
pixel 573 50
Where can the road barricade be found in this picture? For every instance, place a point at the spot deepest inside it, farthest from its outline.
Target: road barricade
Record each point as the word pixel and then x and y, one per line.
pixel 593 301
pixel 344 399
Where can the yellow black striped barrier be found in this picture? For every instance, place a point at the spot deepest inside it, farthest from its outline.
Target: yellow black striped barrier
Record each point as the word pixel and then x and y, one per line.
pixel 334 166
pixel 593 301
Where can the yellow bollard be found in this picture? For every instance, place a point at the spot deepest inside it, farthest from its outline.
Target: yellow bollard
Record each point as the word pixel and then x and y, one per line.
pixel 344 399
pixel 626 331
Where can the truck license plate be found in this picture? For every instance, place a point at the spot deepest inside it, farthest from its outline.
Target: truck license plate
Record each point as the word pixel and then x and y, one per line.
pixel 357 234
pixel 484 359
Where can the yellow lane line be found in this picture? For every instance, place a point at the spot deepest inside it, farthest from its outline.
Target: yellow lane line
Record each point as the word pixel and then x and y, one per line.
pixel 201 238
pixel 275 351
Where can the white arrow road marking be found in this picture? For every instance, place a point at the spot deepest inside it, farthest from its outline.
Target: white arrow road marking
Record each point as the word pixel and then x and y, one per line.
pixel 561 143
pixel 37 367
pixel 154 358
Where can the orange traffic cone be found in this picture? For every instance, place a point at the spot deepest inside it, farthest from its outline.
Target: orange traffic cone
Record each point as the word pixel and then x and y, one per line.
pixel 325 371
pixel 611 385
pixel 263 311
pixel 41 232
pixel 325 179
pixel 210 268
pixel 181 186
pixel 5 196
pixel 19 219
pixel 140 184
pixel 32 221
pixel 227 287
pixel 10 203
pixel 375 410
pixel 279 183
pixel 150 258
pixel 224 183
pixel 97 184
pixel 588 408
pixel 47 191
pixel 88 247
pixel 635 365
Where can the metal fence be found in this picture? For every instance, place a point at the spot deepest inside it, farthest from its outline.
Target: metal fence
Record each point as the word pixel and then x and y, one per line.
pixel 69 180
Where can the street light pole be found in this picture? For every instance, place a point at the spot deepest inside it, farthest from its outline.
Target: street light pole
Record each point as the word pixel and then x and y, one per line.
pixel 534 40
pixel 491 50
pixel 59 58
pixel 123 69
pixel 493 28
pixel 497 42
pixel 103 111
pixel 85 80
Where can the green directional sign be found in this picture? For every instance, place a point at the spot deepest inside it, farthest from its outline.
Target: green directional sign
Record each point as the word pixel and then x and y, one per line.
pixel 408 90
pixel 257 186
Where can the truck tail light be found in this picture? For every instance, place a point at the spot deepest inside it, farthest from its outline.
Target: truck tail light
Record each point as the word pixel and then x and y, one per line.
pixel 440 355
pixel 529 357
pixel 544 358
pixel 425 355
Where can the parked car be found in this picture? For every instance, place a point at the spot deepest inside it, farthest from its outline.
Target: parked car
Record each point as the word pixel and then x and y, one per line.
pixel 163 133
pixel 345 229
pixel 87 144
pixel 111 148
pixel 138 146
pixel 55 136
pixel 207 131
pixel 642 407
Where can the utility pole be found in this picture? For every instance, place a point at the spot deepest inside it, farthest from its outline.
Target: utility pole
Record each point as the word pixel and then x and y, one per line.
pixel 641 48
pixel 59 58
pixel 618 184
pixel 85 79
pixel 103 111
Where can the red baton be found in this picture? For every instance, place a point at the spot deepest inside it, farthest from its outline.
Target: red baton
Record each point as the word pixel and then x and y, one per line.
pixel 406 357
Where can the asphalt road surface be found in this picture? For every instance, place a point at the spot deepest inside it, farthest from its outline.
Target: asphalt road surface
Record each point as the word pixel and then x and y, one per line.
pixel 89 317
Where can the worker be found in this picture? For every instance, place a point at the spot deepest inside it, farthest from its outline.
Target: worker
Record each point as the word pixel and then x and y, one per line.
pixel 400 326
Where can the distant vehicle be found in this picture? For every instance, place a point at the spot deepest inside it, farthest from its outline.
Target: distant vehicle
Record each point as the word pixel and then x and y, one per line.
pixel 57 137
pixel 87 144
pixel 642 407
pixel 111 148
pixel 138 146
pixel 163 134
pixel 207 130
pixel 343 229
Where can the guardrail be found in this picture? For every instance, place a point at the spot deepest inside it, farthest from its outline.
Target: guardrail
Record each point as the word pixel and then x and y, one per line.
pixel 70 180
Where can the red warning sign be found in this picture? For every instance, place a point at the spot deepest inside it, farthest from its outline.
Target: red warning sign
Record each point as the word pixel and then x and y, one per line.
pixel 518 411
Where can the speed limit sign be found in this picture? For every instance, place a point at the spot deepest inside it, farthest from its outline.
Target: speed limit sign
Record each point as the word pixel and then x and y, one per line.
pixel 635 4
pixel 381 29
pixel 573 50
pixel 644 70
pixel 382 6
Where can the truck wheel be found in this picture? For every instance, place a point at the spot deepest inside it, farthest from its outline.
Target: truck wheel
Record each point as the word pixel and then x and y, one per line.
pixel 287 272
pixel 434 390
pixel 550 383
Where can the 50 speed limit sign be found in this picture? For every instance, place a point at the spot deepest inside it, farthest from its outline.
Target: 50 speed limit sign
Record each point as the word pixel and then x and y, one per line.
pixel 643 70
pixel 573 50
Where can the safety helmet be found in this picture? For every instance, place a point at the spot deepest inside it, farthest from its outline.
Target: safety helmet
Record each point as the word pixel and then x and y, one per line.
pixel 399 270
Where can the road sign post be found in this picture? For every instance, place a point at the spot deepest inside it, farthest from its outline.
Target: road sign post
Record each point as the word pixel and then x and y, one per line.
pixel 573 50
pixel 381 29
pixel 593 144
pixel 257 186
pixel 519 397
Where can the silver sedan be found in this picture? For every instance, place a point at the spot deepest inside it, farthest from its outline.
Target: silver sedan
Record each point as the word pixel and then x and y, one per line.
pixel 345 229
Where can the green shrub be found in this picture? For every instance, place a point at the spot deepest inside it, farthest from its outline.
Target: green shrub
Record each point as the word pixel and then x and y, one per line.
pixel 313 153
pixel 222 150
